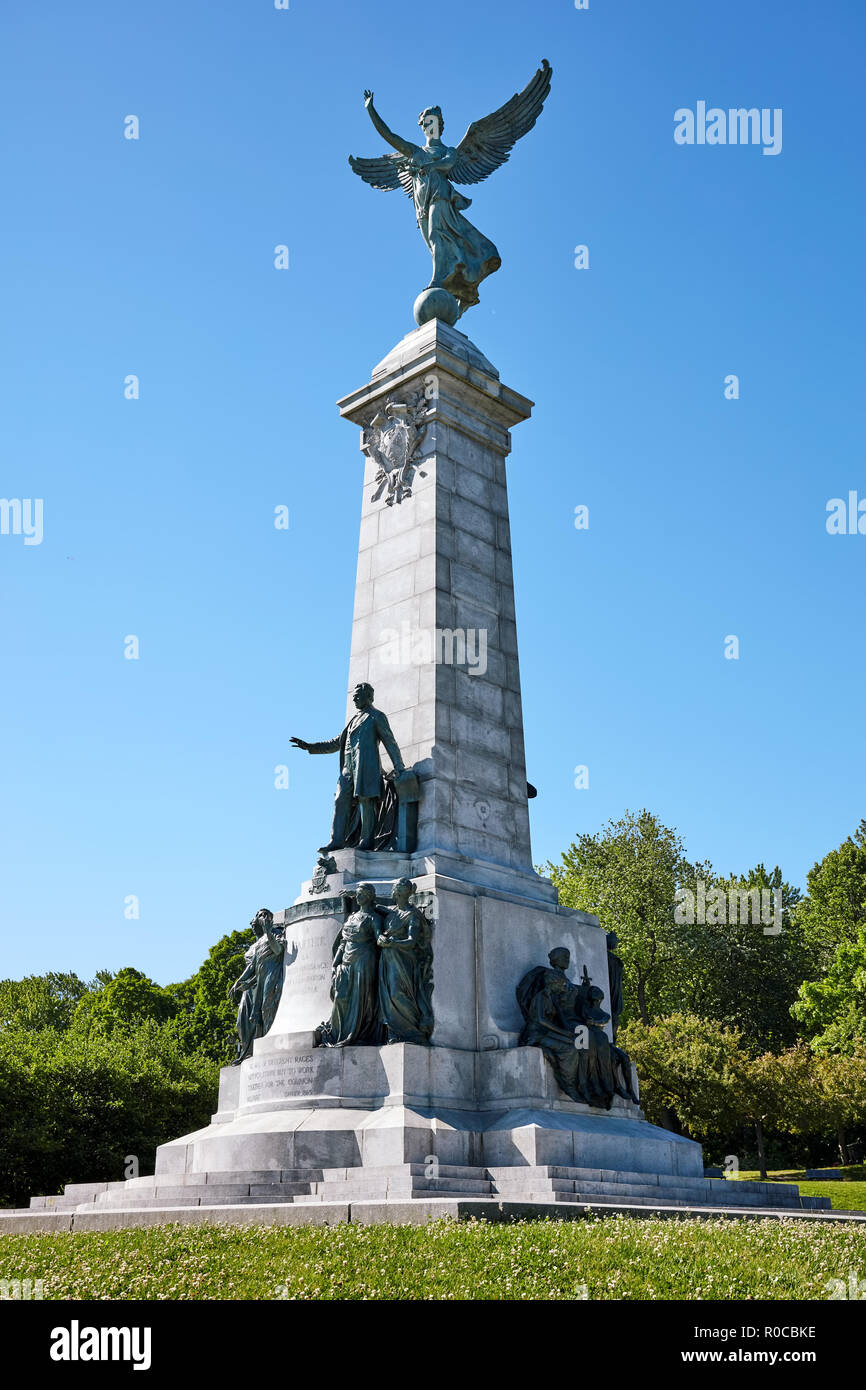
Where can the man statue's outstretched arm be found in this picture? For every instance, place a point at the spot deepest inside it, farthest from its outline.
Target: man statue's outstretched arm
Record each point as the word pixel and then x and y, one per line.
pixel 331 745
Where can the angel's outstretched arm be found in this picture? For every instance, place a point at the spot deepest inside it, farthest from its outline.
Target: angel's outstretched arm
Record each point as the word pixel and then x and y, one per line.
pixel 395 141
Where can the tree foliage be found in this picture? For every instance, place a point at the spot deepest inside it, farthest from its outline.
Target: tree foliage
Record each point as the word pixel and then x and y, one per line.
pixel 75 1103
pixel 92 1072
pixel 740 972
pixel 632 876
pixel 206 1015
pixel 628 876
pixel 123 1002
pixel 832 1010
pixel 41 1001
pixel 834 908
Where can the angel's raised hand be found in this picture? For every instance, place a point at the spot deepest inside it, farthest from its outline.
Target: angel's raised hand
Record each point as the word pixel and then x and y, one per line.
pixel 368 97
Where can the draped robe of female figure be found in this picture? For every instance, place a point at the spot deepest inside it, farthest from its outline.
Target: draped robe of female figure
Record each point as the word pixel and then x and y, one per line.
pixel 462 256
pixel 405 1006
pixel 595 1074
pixel 354 1016
pixel 260 986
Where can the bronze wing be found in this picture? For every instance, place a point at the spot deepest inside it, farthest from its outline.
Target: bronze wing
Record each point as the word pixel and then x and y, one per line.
pixel 388 172
pixel 488 142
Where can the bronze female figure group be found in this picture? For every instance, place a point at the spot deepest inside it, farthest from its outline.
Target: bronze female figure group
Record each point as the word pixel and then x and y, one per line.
pixel 382 984
pixel 566 1021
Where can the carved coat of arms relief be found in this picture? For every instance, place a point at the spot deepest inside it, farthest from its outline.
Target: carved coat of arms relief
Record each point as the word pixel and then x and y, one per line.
pixel 393 442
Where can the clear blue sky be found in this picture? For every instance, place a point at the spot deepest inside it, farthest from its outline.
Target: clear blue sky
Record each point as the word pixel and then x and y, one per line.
pixel 707 517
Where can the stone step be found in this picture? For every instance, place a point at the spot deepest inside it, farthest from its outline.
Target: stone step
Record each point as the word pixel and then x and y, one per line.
pixel 447 1170
pixel 676 1198
pixel 317 1213
pixel 80 1191
pixel 546 1196
pixel 624 1177
pixel 274 1196
pixel 225 1178
pixel 399 1189
pixel 169 1192
pixel 210 1192
pixel 110 1202
pixel 768 1189
pixel 614 1175
pixel 517 1188
pixel 667 1197
pixel 752 1199
pixel 627 1175
pixel 200 1192
pixel 452 1184
pixel 373 1188
pixel 625 1191
pixel 262 1189
pixel 409 1181
pixel 621 1191
pixel 505 1186
pixel 403 1170
pixel 234 1176
pixel 335 1192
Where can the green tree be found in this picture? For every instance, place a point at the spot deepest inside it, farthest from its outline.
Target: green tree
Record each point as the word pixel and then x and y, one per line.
pixel 841 1088
pixel 834 908
pixel 690 1066
pixel 705 1074
pixel 92 1073
pixel 634 876
pixel 833 1010
pixel 41 1001
pixel 206 1016
pixel 75 1103
pixel 736 972
pixel 777 1091
pixel 628 876
pixel 126 1000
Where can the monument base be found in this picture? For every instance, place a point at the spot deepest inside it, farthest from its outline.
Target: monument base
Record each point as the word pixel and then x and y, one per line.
pixel 365 1133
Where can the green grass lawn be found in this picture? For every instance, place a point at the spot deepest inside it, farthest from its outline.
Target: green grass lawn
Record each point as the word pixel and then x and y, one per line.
pixel 846 1194
pixel 614 1258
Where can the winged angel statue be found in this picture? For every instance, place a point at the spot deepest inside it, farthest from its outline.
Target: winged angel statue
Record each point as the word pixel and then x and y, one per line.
pixel 462 256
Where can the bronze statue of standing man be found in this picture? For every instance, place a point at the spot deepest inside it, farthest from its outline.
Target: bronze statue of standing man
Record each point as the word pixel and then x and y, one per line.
pixel 360 768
